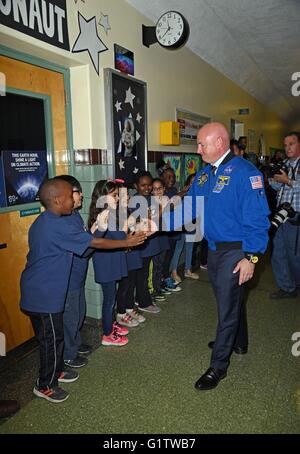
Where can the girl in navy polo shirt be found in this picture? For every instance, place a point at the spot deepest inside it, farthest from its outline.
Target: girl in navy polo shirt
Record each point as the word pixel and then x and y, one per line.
pixel 144 188
pixel 109 267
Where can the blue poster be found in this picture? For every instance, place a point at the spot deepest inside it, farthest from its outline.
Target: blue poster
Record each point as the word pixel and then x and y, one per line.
pixel 2 186
pixel 24 172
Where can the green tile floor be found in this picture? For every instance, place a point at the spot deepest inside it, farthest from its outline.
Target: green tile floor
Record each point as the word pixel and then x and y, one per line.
pixel 148 386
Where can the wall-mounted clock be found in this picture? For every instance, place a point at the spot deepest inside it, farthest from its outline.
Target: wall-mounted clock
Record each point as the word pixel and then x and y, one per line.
pixel 171 31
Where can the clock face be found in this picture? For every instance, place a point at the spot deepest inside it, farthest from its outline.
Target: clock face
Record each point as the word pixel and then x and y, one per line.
pixel 171 29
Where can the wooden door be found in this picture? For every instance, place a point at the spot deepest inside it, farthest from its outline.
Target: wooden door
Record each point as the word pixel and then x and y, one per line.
pixel 14 229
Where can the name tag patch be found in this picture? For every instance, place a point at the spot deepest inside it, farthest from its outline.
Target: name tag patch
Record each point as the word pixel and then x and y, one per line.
pixel 221 183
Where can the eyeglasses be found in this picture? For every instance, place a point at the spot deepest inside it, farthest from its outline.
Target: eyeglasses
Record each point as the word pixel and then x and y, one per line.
pixel 158 189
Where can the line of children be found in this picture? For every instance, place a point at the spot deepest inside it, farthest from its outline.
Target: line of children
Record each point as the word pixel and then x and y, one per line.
pixel 54 238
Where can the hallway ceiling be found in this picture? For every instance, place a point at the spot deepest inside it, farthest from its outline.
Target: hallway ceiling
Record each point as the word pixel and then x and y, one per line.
pixel 255 43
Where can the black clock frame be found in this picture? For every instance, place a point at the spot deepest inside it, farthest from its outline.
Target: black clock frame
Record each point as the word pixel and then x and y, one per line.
pixel 149 34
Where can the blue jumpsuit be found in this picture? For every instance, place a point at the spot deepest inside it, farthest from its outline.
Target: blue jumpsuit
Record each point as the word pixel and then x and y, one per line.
pixel 235 222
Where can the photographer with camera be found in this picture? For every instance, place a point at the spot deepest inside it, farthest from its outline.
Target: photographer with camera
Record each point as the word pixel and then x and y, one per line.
pixel 286 241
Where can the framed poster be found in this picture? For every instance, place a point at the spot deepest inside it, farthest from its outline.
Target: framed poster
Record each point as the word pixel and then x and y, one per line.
pixel 189 125
pixel 124 60
pixel 23 174
pixel 175 162
pixel 192 163
pixel 126 124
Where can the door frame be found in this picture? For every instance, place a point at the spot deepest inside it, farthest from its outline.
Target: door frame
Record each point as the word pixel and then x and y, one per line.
pixel 36 61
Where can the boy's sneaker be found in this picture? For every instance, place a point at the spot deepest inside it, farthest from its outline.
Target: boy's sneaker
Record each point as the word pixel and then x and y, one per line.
pixel 203 267
pixel 79 361
pixel 136 316
pixel 127 320
pixel 157 297
pixel 68 376
pixel 164 291
pixel 84 349
pixel 120 329
pixel 55 395
pixel 114 340
pixel 171 285
pixel 190 275
pixel 152 309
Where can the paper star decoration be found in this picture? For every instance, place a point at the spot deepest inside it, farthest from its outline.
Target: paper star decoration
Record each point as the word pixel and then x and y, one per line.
pixel 104 22
pixel 135 170
pixel 138 118
pixel 137 136
pixel 88 40
pixel 118 106
pixel 129 97
pixel 121 164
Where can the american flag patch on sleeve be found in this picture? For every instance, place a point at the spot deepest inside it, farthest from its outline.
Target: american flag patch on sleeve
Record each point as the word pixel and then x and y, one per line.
pixel 256 182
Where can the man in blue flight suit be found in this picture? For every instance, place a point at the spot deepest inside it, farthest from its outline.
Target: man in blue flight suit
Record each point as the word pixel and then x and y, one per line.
pixel 236 227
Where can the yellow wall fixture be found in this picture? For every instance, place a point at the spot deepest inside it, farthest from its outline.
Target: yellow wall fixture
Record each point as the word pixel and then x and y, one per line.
pixel 169 133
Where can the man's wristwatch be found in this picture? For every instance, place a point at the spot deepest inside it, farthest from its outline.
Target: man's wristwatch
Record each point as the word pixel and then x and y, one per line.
pixel 253 258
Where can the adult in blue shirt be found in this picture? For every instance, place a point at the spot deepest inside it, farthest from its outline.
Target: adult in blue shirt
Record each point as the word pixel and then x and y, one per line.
pixel 53 240
pixel 236 228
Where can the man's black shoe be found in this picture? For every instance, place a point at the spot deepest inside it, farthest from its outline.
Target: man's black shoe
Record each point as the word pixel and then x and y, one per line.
pixel 210 379
pixel 237 350
pixel 281 294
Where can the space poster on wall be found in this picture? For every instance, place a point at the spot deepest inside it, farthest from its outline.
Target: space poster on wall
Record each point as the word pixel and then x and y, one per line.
pixel 23 174
pixel 126 122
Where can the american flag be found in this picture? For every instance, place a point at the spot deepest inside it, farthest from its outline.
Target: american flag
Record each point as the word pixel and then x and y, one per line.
pixel 256 182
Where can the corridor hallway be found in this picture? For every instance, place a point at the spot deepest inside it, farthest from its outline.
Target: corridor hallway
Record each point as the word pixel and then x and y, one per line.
pixel 148 386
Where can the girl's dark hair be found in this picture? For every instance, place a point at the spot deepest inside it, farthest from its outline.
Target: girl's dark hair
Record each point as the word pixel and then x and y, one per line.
pixel 71 180
pixel 142 174
pixel 189 179
pixel 158 180
pixel 102 187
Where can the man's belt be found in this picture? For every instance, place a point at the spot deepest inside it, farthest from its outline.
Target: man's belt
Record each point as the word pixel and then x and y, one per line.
pixel 229 245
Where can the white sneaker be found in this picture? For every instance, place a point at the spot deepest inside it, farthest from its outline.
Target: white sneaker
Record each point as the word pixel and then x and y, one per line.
pixel 175 277
pixel 127 320
pixel 135 315
pixel 189 274
pixel 152 309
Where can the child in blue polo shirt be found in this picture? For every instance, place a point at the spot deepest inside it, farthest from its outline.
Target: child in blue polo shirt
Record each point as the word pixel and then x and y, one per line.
pixel 75 306
pixel 54 238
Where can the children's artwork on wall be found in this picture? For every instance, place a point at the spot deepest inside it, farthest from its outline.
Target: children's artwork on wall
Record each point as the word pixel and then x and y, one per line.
pixel 126 124
pixel 175 162
pixel 88 40
pixel 192 163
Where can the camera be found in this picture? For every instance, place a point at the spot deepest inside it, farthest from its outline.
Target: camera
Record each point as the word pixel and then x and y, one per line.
pixel 275 168
pixel 284 212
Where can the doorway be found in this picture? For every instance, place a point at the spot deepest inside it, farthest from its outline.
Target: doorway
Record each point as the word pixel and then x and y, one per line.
pixel 33 84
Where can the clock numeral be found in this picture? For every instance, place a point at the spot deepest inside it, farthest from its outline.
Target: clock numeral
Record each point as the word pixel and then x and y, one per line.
pixel 160 24
pixel 169 42
pixel 169 15
pixel 180 26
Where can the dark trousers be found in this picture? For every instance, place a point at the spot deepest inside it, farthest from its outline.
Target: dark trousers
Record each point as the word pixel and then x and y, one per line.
pixel 157 273
pixel 125 293
pixel 49 331
pixel 232 321
pixel 108 305
pixel 168 257
pixel 73 318
pixel 142 293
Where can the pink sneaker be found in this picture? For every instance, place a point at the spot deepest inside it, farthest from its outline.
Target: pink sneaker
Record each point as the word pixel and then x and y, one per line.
pixel 120 329
pixel 114 340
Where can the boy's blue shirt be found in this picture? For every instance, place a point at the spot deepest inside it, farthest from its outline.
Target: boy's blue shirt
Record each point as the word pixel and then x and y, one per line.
pixel 53 240
pixel 80 264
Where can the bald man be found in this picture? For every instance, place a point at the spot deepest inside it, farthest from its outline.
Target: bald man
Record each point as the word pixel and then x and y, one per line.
pixel 236 227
